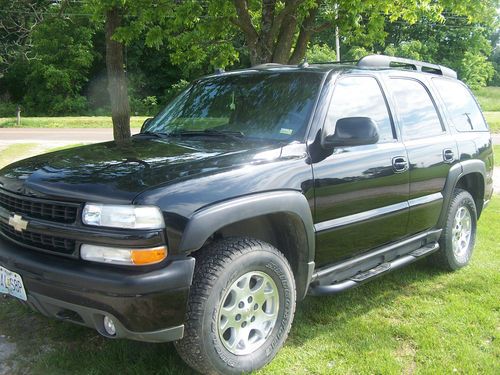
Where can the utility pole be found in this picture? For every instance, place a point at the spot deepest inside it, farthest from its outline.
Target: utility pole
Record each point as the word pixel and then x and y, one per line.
pixel 337 36
pixel 337 43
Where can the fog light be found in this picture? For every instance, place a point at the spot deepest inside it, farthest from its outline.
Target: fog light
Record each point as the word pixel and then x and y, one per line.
pixel 109 326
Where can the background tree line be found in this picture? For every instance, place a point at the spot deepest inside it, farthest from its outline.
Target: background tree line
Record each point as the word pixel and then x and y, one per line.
pixel 60 57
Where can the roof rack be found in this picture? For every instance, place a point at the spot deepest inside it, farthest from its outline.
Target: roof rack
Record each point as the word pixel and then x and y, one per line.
pixel 266 65
pixel 383 61
pixel 336 62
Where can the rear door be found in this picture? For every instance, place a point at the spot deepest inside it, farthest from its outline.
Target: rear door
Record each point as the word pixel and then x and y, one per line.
pixel 361 192
pixel 431 149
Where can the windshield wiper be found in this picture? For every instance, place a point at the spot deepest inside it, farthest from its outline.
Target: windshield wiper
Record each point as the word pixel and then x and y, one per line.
pixel 235 135
pixel 152 134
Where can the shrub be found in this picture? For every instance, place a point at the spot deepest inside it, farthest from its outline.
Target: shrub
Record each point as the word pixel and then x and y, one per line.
pixel 320 53
pixel 8 109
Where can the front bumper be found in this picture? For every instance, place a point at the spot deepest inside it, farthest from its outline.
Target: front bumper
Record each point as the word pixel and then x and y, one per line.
pixel 145 306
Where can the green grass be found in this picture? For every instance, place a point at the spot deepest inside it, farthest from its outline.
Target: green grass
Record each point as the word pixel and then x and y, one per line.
pixel 15 152
pixel 493 120
pixel 489 98
pixel 67 122
pixel 18 151
pixel 496 150
pixel 415 320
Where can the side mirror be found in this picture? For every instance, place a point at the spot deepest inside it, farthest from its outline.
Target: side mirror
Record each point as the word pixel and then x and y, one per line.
pixel 352 131
pixel 145 123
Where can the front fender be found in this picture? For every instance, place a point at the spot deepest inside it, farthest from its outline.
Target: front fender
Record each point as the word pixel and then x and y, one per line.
pixel 208 220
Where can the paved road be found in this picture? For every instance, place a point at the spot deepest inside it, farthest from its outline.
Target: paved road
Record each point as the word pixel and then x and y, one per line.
pixel 59 136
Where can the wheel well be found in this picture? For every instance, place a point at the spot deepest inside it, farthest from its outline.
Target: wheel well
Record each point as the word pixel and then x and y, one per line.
pixel 474 184
pixel 284 231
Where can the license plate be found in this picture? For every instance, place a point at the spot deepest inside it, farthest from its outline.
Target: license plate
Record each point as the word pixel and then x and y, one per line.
pixel 11 283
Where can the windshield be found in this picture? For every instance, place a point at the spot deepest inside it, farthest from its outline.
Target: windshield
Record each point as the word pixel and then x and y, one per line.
pixel 274 106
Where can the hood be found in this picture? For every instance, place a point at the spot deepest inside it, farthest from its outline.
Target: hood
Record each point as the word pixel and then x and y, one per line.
pixel 116 173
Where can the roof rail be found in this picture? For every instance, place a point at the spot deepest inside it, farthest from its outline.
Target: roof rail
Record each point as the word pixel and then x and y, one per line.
pixel 266 65
pixel 383 61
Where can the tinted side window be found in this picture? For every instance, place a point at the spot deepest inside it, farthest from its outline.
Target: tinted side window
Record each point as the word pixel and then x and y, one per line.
pixel 360 97
pixel 464 111
pixel 416 109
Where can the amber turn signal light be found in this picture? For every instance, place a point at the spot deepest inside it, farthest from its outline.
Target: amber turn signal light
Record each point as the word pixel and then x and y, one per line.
pixel 142 257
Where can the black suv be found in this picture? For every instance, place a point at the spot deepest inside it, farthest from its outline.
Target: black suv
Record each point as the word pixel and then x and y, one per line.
pixel 252 189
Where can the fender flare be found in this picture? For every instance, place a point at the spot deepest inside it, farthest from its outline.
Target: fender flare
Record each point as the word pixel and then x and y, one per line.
pixel 456 172
pixel 208 220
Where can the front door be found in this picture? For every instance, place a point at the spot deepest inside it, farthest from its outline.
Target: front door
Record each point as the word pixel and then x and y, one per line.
pixel 361 192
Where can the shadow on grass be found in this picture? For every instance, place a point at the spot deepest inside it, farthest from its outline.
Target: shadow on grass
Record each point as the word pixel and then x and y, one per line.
pixel 47 346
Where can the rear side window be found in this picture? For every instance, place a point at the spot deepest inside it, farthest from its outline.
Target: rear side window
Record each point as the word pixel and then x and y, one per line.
pixel 416 109
pixel 463 109
pixel 360 97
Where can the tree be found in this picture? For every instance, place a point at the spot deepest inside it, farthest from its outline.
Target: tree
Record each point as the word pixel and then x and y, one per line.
pixel 117 82
pixel 277 30
pixel 318 53
pixel 18 20
pixel 47 73
pixel 457 43
pixel 113 11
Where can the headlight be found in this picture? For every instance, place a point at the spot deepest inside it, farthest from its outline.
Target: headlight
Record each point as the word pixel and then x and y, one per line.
pixel 129 257
pixel 123 216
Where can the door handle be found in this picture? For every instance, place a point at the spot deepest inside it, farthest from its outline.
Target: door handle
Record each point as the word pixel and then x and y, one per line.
pixel 399 164
pixel 448 155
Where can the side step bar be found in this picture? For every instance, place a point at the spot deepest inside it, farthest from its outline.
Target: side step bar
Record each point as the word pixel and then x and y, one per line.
pixel 362 277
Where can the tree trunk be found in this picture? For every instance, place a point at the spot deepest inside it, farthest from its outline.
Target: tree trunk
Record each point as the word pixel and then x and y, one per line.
pixel 305 34
pixel 117 81
pixel 277 36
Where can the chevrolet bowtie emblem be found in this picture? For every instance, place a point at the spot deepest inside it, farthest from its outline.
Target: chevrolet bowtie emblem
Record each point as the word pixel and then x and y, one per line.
pixel 18 223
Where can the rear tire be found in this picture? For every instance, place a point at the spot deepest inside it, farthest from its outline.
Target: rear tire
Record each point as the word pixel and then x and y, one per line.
pixel 240 308
pixel 459 233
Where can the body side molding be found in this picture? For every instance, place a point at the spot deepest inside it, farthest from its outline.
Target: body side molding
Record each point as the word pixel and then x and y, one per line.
pixel 361 216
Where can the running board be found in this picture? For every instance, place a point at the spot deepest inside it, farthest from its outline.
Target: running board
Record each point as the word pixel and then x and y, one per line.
pixel 362 277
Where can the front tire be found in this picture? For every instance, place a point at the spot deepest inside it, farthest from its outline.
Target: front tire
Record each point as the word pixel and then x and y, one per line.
pixel 240 308
pixel 459 234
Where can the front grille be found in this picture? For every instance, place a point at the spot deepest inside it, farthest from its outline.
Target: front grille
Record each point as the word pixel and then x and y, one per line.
pixel 37 209
pixel 43 241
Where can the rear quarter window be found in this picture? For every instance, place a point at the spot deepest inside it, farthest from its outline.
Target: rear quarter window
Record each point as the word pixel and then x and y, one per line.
pixel 462 108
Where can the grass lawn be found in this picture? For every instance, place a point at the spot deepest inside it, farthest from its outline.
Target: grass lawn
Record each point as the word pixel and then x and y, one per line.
pixel 67 122
pixel 493 120
pixel 415 320
pixel 496 150
pixel 489 98
pixel 20 151
pixel 16 152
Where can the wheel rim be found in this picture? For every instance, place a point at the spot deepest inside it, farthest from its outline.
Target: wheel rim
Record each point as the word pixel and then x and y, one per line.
pixel 461 234
pixel 248 313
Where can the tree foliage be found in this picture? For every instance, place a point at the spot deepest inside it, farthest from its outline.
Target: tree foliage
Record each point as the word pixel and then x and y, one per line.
pixel 59 47
pixel 18 20
pixel 320 53
pixel 278 31
pixel 51 80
